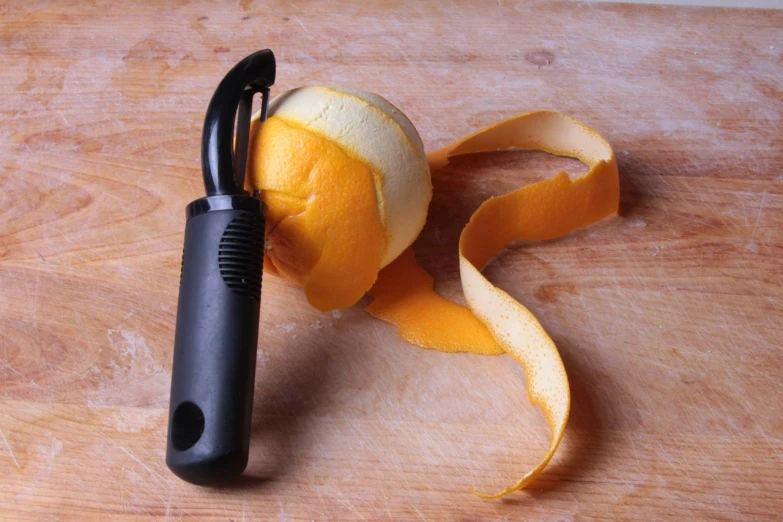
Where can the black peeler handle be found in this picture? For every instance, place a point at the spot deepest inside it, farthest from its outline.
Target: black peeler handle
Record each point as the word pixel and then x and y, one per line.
pixel 216 337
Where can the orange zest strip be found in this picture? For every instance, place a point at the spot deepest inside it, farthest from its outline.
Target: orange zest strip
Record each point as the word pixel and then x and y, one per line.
pixel 493 321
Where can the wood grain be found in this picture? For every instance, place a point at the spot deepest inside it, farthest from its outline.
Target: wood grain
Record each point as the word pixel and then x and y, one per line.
pixel 669 317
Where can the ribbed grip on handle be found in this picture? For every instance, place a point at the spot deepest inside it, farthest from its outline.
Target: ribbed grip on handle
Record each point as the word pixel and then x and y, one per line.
pixel 215 341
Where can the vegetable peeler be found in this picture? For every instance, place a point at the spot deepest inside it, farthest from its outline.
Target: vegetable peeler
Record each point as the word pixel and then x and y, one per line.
pixel 216 336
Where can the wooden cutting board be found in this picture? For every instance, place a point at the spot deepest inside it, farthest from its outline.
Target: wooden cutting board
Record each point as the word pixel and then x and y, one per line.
pixel 669 317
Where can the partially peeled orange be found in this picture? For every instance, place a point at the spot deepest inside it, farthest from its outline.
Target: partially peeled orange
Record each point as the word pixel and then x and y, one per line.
pixel 346 183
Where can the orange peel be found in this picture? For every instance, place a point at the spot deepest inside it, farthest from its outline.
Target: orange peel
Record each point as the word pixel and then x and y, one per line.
pixel 349 188
pixel 544 210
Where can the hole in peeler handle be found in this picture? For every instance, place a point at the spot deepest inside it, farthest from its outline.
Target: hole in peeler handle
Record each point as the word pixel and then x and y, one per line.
pixel 187 426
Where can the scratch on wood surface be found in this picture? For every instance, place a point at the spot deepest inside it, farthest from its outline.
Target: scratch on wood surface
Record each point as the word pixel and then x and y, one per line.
pixel 161 482
pixel 35 300
pixel 421 515
pixel 16 462
pixel 345 502
pixel 772 448
pixel 113 196
pixel 758 216
pixel 302 26
pixel 282 516
pixel 291 4
pixel 137 459
pixel 402 52
pixel 386 505
pixel 7 365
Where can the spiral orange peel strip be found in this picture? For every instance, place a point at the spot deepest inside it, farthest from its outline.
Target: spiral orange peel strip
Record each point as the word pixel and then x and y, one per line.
pixel 494 322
